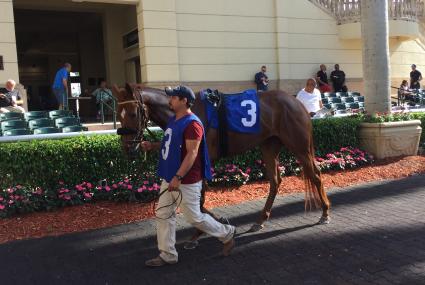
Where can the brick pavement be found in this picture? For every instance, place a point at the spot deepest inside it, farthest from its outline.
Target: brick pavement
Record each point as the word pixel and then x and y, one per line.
pixel 376 236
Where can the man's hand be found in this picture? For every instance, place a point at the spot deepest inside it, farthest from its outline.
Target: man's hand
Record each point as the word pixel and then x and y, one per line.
pixel 174 184
pixel 2 95
pixel 146 146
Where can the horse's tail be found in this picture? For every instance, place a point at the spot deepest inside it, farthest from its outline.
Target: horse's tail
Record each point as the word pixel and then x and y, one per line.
pixel 312 178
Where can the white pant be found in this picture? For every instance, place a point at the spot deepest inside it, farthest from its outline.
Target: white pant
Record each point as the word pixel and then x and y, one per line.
pixel 190 206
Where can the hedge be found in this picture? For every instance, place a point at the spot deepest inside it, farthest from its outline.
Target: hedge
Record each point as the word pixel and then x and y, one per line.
pixel 44 163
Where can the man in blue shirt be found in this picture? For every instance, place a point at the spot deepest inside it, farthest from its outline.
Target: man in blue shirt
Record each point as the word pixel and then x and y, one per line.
pixel 183 163
pixel 60 86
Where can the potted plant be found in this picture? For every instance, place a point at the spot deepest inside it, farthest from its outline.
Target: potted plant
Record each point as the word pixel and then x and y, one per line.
pixel 390 135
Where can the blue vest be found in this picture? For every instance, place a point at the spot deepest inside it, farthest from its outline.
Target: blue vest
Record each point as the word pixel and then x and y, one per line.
pixel 171 147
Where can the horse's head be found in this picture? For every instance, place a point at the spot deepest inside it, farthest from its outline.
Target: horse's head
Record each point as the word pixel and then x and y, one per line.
pixel 133 116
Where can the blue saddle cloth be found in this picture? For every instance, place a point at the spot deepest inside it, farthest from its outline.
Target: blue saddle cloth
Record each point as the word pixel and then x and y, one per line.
pixel 242 112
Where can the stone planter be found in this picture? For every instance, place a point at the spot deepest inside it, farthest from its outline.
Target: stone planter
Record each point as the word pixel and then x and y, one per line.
pixel 390 139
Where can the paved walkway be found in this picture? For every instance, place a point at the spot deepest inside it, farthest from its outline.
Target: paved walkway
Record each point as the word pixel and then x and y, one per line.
pixel 377 236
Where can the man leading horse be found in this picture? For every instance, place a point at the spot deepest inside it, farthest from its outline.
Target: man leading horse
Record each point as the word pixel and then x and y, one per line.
pixel 183 165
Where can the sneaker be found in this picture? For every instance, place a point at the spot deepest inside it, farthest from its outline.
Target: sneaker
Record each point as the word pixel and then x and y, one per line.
pixel 158 262
pixel 228 246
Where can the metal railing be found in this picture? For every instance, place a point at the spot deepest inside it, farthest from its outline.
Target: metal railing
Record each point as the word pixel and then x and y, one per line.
pixel 112 107
pixel 348 11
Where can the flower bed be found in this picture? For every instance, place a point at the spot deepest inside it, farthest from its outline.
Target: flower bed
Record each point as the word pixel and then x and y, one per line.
pixel 145 187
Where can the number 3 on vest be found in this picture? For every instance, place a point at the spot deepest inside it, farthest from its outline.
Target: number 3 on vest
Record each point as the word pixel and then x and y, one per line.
pixel 166 149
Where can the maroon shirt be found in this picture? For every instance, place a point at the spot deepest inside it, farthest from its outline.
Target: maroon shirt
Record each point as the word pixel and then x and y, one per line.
pixel 193 131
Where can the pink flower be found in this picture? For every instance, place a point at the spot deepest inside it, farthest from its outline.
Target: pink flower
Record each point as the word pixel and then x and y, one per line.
pixel 61 182
pixel 145 182
pixel 115 186
pixel 126 180
pixel 89 185
pixel 79 188
pixel 107 188
pixel 129 187
pixel 99 188
pixel 10 190
pixel 11 202
pixel 150 188
pixel 88 195
pixel 248 170
pixel 38 191
pixel 67 197
pixel 140 190
pixel 2 207
pixel 1 198
pixel 18 187
pixel 120 183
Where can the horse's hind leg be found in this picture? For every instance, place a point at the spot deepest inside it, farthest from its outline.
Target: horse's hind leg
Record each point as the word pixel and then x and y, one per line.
pixel 313 176
pixel 270 152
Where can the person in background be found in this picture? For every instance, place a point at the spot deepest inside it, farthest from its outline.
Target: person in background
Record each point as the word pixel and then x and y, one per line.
pixel 102 94
pixel 262 80
pixel 10 98
pixel 60 86
pixel 322 79
pixel 338 79
pixel 310 97
pixel 404 93
pixel 415 78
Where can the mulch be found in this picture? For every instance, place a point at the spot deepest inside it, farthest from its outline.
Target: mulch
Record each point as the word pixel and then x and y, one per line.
pixel 107 214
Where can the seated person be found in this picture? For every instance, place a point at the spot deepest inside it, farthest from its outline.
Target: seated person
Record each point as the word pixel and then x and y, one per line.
pixel 322 79
pixel 310 97
pixel 102 94
pixel 9 98
pixel 404 93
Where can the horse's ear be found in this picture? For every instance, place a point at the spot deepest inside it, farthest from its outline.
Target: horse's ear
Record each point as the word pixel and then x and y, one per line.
pixel 129 89
pixel 116 91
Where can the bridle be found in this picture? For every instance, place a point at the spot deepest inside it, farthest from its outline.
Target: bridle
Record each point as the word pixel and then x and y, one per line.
pixel 142 119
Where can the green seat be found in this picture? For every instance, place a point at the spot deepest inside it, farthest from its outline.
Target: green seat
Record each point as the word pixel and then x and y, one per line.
pixel 66 122
pixel 71 129
pixel 347 99
pixel 354 94
pixel 352 105
pixel 327 106
pixel 334 100
pixel 11 116
pixel 35 115
pixel 13 124
pixel 359 98
pixel 40 123
pixel 16 132
pixel 59 114
pixel 338 106
pixel 342 94
pixel 46 130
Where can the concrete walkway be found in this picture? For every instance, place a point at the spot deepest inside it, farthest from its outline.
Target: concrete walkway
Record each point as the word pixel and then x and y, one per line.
pixel 376 236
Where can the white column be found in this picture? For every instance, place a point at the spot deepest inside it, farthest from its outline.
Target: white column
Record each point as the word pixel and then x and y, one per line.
pixel 158 43
pixel 376 65
pixel 8 43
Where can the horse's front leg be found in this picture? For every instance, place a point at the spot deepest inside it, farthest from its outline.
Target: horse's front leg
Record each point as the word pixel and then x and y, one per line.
pixel 270 151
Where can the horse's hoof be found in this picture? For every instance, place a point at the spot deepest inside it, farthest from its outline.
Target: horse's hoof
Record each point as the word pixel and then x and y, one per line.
pixel 256 228
pixel 191 244
pixel 324 220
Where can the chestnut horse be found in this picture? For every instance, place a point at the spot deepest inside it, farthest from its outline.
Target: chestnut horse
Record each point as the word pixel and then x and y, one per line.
pixel 284 122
